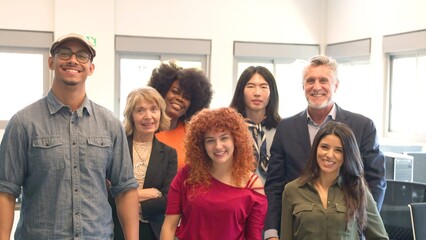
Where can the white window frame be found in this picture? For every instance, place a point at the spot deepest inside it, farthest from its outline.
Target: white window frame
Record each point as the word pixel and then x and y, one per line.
pixel 31 42
pixel 162 49
pixel 271 53
pixel 410 136
pixel 354 53
pixel 398 45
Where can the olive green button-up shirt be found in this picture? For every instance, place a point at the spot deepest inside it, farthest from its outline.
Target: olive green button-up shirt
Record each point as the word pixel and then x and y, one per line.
pixel 303 216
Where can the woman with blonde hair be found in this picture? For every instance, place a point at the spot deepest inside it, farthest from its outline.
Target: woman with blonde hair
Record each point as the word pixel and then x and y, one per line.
pixel 154 163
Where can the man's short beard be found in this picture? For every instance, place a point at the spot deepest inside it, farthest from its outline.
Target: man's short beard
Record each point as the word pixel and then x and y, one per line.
pixel 320 106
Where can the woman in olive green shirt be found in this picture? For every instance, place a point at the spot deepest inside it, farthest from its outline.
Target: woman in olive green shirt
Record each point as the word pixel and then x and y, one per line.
pixel 331 199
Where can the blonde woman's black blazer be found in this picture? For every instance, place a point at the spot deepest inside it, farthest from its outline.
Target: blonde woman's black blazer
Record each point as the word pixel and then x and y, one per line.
pixel 161 170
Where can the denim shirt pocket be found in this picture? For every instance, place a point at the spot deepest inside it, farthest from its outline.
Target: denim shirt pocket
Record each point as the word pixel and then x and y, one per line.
pixel 47 153
pixel 99 151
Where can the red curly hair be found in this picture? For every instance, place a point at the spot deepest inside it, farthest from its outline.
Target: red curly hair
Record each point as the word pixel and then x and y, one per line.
pixel 222 119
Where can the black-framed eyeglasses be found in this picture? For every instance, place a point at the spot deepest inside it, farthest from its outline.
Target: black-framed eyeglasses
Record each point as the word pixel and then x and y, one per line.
pixel 66 54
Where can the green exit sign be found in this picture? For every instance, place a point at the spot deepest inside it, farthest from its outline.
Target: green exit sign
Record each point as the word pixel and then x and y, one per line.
pixel 92 40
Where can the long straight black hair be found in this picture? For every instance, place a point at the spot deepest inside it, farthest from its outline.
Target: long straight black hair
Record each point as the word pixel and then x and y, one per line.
pixel 272 116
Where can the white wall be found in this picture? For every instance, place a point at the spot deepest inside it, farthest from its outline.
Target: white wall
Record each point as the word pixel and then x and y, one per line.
pixel 37 15
pixel 356 19
pixel 349 20
pixel 222 21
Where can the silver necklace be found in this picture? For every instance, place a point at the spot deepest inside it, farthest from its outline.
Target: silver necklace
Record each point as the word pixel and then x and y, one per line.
pixel 141 164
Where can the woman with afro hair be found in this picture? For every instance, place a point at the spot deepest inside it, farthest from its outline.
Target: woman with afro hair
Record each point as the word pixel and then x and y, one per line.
pixel 186 91
pixel 216 195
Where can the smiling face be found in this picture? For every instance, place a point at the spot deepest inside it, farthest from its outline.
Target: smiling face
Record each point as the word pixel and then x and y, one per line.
pixel 219 146
pixel 320 85
pixel 330 155
pixel 70 72
pixel 146 118
pixel 177 103
pixel 256 94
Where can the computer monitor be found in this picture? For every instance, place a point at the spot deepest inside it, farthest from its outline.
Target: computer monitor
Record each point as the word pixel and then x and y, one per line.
pixel 419 166
pixel 399 166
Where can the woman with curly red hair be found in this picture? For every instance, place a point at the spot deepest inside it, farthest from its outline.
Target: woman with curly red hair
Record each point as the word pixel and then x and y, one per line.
pixel 216 195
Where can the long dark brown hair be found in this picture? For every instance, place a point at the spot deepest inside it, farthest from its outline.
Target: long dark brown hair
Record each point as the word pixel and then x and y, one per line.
pixel 354 185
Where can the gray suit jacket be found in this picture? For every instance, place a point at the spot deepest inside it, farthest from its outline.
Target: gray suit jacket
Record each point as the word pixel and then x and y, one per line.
pixel 290 150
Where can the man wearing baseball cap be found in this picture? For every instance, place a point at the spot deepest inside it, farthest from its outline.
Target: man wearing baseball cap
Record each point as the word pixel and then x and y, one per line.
pixel 61 150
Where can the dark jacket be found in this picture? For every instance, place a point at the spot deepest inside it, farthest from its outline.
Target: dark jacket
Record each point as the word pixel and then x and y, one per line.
pixel 161 170
pixel 290 151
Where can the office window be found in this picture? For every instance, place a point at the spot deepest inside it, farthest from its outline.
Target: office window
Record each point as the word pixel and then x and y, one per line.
pixel 135 72
pixel 288 77
pixel 406 94
pixel 285 61
pixel 25 74
pixel 138 56
pixel 290 86
pixel 406 58
pixel 358 91
pixel 21 87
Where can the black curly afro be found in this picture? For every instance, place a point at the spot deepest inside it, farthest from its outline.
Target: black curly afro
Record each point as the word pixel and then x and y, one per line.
pixel 192 81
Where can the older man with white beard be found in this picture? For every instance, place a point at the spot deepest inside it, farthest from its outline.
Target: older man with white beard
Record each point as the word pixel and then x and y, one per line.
pixel 294 136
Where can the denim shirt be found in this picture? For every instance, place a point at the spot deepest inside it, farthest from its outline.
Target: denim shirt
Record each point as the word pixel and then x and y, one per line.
pixel 62 160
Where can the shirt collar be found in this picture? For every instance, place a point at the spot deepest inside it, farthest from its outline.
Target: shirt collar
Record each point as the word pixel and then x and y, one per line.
pixel 331 115
pixel 55 105
pixel 338 183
